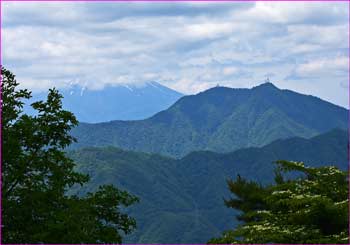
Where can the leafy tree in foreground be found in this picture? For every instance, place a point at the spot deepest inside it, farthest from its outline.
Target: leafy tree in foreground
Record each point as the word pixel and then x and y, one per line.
pixel 36 175
pixel 309 209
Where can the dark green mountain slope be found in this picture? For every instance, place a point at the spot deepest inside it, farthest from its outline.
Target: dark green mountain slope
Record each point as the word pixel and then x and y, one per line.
pixel 181 201
pixel 219 119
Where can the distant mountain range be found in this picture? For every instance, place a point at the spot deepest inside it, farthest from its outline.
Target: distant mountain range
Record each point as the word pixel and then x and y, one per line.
pixel 220 119
pixel 123 102
pixel 177 161
pixel 181 201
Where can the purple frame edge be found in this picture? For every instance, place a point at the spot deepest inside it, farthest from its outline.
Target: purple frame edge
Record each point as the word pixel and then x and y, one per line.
pixel 103 1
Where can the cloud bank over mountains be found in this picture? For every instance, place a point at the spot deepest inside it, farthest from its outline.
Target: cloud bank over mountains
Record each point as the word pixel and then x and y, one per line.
pixel 188 46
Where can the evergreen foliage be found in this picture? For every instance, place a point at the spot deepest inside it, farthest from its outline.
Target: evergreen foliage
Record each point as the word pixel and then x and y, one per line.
pixel 36 175
pixel 182 199
pixel 310 209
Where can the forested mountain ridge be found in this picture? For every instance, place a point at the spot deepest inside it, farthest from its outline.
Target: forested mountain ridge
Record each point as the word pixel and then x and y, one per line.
pixel 181 201
pixel 220 119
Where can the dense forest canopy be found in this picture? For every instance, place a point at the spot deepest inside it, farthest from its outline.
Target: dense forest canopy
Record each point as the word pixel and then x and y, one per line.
pixel 36 175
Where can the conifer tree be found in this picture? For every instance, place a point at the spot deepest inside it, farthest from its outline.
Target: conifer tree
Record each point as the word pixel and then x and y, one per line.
pixel 312 207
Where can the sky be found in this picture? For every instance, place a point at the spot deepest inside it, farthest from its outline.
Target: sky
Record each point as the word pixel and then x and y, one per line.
pixel 187 46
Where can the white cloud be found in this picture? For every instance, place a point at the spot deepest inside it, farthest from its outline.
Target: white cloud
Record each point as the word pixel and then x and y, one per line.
pixel 208 30
pixel 230 70
pixel 334 66
pixel 188 46
pixel 297 12
pixel 333 36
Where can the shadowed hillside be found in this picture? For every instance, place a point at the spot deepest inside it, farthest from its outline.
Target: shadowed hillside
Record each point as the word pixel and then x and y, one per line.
pixel 181 201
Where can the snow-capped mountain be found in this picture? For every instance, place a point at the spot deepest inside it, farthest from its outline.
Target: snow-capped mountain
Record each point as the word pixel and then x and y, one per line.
pixel 121 102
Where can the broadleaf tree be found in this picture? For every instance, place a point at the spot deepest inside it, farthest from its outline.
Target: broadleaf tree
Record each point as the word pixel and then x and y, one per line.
pixel 305 205
pixel 36 175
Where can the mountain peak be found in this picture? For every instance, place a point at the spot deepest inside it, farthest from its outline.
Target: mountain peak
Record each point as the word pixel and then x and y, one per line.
pixel 266 85
pixel 263 86
pixel 221 119
pixel 154 84
pixel 127 101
